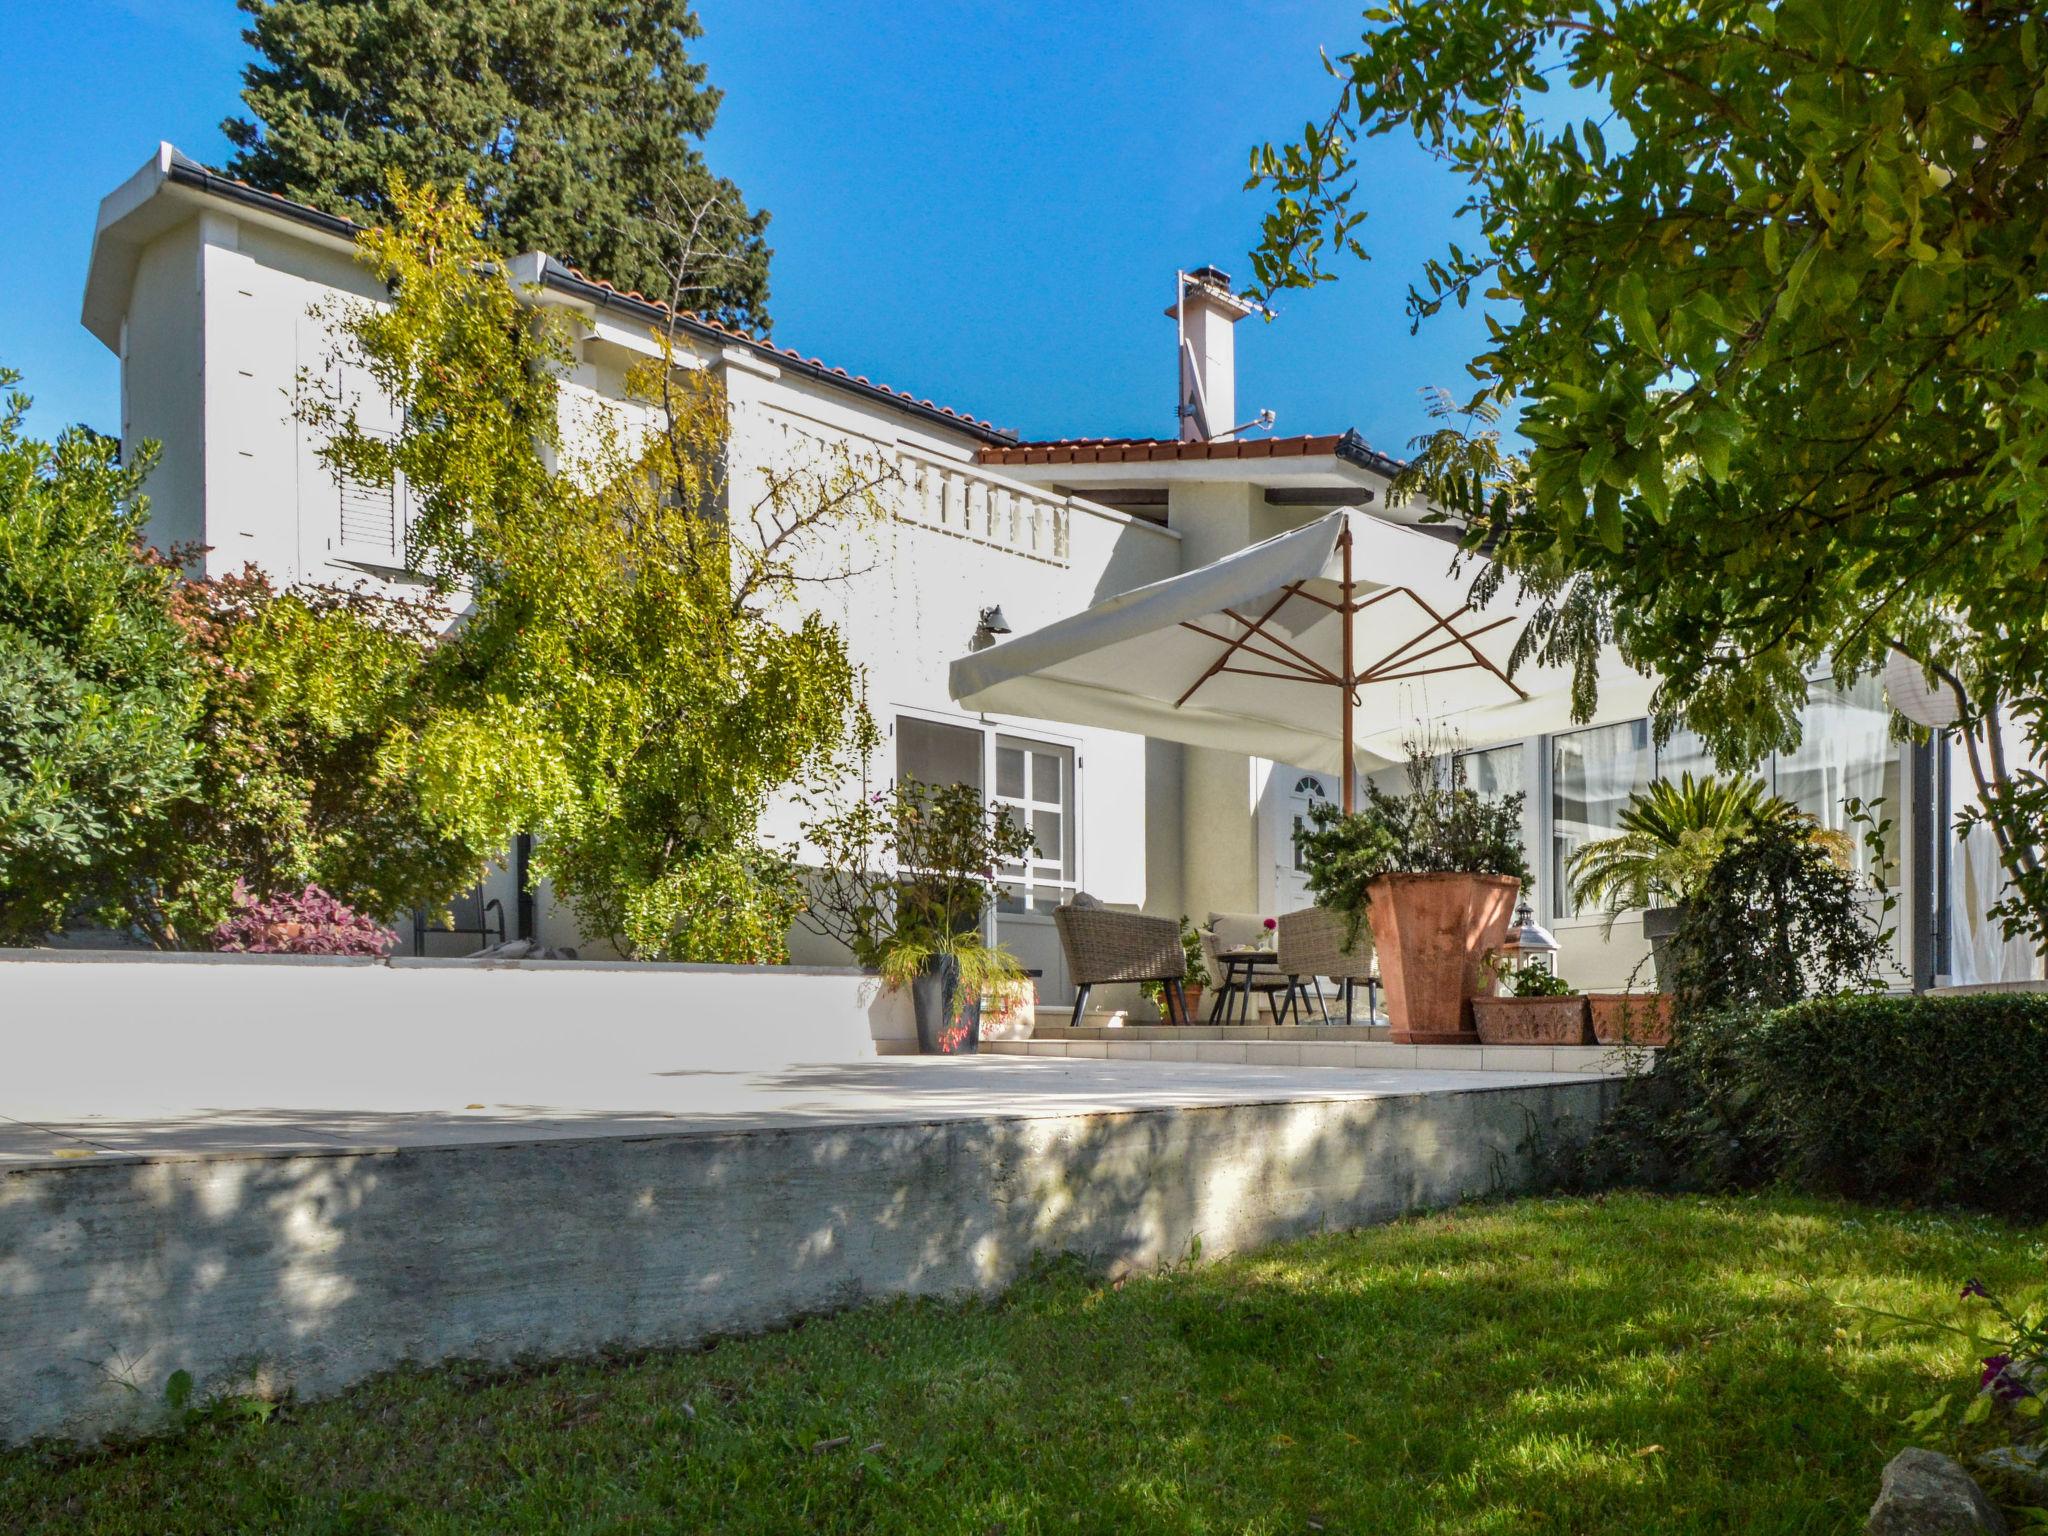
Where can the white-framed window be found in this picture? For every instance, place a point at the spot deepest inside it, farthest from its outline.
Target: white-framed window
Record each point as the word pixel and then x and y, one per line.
pixel 374 518
pixel 1033 778
pixel 1035 783
pixel 1845 752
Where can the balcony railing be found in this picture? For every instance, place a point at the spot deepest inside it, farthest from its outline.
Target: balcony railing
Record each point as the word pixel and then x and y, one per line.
pixel 974 503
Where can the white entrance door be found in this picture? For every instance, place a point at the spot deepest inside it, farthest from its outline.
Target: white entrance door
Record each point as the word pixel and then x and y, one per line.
pixel 1298 793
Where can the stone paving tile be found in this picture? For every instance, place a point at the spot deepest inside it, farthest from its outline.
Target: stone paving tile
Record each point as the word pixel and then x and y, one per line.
pixel 885 1091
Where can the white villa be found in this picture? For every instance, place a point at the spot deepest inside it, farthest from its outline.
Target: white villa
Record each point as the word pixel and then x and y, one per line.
pixel 204 288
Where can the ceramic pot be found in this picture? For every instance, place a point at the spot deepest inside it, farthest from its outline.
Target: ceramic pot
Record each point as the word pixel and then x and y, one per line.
pixel 948 1024
pixel 1660 927
pixel 1631 1018
pixel 1531 1020
pixel 1435 934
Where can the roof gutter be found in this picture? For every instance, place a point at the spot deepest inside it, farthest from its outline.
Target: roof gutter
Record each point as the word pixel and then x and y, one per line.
pixel 187 175
pixel 1353 449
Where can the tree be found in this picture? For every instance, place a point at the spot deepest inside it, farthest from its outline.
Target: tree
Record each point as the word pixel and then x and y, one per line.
pixel 309 700
pixel 634 678
pixel 1773 313
pixel 572 126
pixel 96 703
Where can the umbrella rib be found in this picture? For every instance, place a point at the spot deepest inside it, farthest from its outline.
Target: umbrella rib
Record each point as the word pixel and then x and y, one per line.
pixel 1471 649
pixel 1231 647
pixel 1309 671
pixel 1377 672
pixel 1427 630
pixel 1301 656
pixel 1285 677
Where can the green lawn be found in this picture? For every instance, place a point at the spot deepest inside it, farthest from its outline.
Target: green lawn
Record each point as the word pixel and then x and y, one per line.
pixel 1631 1364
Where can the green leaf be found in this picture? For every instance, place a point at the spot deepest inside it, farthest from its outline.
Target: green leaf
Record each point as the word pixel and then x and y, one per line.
pixel 1632 304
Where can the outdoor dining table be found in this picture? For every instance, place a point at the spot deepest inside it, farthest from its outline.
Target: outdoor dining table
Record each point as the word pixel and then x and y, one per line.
pixel 1240 966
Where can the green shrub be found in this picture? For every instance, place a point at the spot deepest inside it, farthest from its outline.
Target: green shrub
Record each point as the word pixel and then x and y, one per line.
pixel 1908 1098
pixel 1929 1100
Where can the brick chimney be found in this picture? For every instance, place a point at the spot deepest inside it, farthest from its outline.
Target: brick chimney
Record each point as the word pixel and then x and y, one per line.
pixel 1204 313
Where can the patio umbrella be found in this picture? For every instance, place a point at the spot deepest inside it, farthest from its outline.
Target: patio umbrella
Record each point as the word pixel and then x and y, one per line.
pixel 1325 647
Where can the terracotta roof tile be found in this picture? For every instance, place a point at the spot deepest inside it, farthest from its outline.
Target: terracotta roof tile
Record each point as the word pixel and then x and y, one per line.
pixel 1141 450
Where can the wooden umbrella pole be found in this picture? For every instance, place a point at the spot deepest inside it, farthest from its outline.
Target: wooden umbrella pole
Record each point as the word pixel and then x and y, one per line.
pixel 1345 681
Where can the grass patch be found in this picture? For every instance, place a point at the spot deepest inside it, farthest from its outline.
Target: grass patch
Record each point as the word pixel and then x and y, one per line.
pixel 1630 1363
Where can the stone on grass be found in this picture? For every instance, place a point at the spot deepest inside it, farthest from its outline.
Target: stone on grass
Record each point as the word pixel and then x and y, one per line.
pixel 1928 1494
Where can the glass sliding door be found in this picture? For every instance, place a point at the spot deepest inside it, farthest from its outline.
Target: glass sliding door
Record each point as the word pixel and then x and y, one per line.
pixel 1593 773
pixel 1846 752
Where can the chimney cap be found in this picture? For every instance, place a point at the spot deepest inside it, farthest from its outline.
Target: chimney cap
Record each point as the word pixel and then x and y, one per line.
pixel 1212 284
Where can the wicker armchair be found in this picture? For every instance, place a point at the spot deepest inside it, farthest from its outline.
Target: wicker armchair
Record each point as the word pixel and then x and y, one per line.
pixel 1102 944
pixel 1311 944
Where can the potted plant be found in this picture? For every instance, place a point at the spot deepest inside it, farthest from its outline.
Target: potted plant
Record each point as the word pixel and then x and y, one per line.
pixel 1671 835
pixel 1631 1018
pixel 1191 984
pixel 1538 1009
pixel 947 976
pixel 905 880
pixel 1440 868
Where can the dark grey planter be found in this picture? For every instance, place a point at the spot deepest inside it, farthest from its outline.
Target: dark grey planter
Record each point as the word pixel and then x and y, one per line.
pixel 1660 927
pixel 947 1024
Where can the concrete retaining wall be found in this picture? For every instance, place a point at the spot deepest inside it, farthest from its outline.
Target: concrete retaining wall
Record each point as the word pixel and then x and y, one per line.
pixel 65 1014
pixel 309 1272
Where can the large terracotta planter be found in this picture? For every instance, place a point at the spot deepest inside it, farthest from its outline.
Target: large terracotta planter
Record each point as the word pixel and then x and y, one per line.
pixel 1531 1020
pixel 1435 934
pixel 1631 1018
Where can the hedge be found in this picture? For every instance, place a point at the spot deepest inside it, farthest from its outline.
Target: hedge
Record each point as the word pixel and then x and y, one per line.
pixel 1935 1100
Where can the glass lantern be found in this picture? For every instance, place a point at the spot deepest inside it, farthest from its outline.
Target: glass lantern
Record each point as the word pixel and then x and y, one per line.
pixel 1529 945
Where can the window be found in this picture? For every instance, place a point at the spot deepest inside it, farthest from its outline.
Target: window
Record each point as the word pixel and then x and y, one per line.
pixel 1033 780
pixel 1495 773
pixel 1592 775
pixel 1845 752
pixel 933 752
pixel 1035 783
pixel 1309 791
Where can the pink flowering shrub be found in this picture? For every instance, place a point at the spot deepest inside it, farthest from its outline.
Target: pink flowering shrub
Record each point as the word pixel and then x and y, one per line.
pixel 308 923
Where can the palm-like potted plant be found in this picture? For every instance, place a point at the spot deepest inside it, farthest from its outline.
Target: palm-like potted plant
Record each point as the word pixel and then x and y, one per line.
pixel 1671 836
pixel 1440 868
pixel 905 880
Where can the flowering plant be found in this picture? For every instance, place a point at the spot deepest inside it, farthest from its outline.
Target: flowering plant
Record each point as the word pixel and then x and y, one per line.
pixel 308 923
pixel 2011 1391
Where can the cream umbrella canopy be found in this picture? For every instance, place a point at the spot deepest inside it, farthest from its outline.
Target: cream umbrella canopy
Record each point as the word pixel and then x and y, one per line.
pixel 1325 647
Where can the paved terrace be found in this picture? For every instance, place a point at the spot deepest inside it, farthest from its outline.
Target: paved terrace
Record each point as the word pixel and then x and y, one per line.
pixel 285 1177
pixel 201 1106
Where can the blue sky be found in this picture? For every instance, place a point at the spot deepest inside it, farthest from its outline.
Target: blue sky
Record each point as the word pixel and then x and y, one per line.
pixel 984 204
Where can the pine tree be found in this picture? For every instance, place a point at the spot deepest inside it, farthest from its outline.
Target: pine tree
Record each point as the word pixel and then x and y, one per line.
pixel 570 124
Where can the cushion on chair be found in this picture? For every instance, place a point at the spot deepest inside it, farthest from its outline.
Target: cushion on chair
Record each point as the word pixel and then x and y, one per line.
pixel 1240 930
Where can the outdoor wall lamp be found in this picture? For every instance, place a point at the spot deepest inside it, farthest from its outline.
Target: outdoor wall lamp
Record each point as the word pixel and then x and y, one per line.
pixel 992 622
